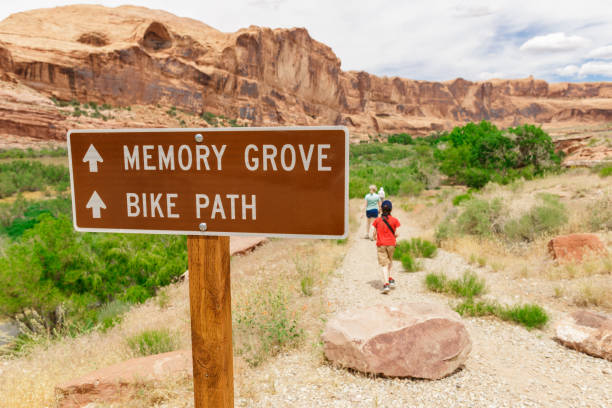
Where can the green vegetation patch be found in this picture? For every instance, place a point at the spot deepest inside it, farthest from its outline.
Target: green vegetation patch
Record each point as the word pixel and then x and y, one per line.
pixel 23 175
pixel 30 153
pixel 151 342
pixel 52 267
pixel 468 285
pixel 477 153
pixel 265 326
pixel 528 315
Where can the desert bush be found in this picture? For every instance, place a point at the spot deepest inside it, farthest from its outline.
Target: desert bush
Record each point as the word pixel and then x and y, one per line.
pixel 265 326
pixel 545 217
pixel 111 313
pixel 436 282
pixel 528 315
pixel 467 286
pixel 600 214
pixel 417 247
pixel 480 217
pixel 21 175
pixel 458 199
pixel 605 171
pixel 21 215
pixel 151 342
pixel 400 138
pixel 474 154
pixel 30 153
pixel 409 264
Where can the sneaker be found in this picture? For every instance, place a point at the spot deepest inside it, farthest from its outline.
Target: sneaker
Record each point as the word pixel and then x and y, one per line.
pixel 391 283
pixel 385 288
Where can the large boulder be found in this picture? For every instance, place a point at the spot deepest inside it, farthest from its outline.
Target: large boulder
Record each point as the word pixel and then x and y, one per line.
pixel 421 340
pixel 588 332
pixel 574 247
pixel 120 381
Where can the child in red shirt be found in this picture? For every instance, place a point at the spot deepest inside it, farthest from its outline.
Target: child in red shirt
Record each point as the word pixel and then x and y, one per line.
pixel 385 234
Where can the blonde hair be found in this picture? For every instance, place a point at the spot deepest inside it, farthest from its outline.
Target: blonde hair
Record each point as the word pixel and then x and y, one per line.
pixel 372 188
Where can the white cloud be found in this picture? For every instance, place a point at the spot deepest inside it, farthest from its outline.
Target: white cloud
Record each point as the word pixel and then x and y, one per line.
pixel 554 42
pixel 491 75
pixel 568 70
pixel 601 52
pixel 595 68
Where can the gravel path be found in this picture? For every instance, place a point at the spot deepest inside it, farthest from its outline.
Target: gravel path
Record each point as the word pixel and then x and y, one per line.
pixel 508 366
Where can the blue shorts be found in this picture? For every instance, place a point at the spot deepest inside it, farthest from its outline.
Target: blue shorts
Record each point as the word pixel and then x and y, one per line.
pixel 372 213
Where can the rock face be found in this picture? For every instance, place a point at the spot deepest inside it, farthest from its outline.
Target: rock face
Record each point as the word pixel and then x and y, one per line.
pixel 574 247
pixel 132 55
pixel 121 380
pixel 419 340
pixel 588 332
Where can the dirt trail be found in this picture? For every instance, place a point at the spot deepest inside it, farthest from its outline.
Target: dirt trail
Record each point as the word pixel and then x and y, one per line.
pixel 509 366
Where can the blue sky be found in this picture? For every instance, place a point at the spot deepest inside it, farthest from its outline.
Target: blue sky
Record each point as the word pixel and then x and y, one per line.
pixel 429 40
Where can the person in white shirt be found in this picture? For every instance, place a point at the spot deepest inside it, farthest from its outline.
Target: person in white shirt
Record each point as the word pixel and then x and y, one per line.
pixel 372 204
pixel 381 194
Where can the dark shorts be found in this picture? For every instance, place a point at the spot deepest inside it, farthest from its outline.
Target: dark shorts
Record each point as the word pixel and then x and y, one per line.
pixel 372 213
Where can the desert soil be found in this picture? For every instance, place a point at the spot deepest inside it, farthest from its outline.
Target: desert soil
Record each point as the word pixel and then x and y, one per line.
pixel 509 366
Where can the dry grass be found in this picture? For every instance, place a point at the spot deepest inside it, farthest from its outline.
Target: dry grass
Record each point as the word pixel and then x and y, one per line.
pixel 597 294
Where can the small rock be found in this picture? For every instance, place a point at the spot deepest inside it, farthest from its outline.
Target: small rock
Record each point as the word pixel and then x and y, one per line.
pixel 588 332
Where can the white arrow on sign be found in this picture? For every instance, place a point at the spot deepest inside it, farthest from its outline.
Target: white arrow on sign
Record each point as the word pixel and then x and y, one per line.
pixel 93 157
pixel 95 203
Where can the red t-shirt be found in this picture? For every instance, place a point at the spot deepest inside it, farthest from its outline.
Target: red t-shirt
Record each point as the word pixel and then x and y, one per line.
pixel 384 236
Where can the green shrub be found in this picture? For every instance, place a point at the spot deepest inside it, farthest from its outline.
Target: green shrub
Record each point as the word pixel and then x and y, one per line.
pixel 444 230
pixel 411 187
pixel 409 264
pixel 436 282
pixel 422 248
pixel 400 138
pixel 265 325
pixel 529 315
pixel 468 286
pixel 544 218
pixel 478 153
pixel 605 171
pixel 600 214
pixel 151 342
pixel 306 284
pixel 20 175
pixel 480 217
pixel 111 313
pixel 458 199
pixel 53 265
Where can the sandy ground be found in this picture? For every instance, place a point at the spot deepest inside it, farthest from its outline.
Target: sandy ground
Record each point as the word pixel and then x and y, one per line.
pixel 509 366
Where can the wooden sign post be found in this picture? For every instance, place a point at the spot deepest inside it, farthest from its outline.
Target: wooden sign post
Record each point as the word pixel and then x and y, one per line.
pixel 211 321
pixel 210 184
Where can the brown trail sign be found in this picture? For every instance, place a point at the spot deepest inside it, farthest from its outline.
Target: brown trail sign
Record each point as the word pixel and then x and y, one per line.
pixel 279 182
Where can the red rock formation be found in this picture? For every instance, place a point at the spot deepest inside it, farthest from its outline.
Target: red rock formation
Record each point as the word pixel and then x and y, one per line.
pixel 132 55
pixel 574 247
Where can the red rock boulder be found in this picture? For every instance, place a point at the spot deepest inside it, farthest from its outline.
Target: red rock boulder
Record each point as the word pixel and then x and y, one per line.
pixel 420 340
pixel 574 247
pixel 588 332
pixel 120 381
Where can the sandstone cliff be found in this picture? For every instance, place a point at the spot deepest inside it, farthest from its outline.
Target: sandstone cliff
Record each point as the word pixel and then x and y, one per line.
pixel 136 56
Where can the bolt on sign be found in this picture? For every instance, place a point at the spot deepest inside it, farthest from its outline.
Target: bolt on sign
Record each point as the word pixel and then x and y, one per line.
pixel 240 181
